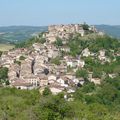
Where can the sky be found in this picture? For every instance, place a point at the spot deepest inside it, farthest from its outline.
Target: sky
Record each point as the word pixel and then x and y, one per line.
pixel 47 12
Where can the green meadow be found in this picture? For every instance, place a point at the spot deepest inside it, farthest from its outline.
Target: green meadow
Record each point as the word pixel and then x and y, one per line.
pixel 6 47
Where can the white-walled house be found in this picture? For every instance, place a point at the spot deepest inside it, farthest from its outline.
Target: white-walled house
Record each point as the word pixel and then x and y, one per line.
pixel 52 79
pixel 22 84
pixel 69 63
pixel 96 81
pixel 61 81
pixel 81 63
pixel 82 32
pixel 43 80
pixel 55 90
pixel 36 46
pixel 86 52
pixel 102 55
pixel 65 49
pixel 76 80
pixel 71 90
pixel 82 82
pixel 34 80
pixel 79 80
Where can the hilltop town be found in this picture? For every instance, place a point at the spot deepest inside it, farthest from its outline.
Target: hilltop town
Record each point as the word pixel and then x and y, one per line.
pixel 52 63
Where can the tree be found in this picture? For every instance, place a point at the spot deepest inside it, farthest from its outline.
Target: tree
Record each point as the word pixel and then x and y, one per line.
pixel 56 107
pixel 47 91
pixel 7 82
pixel 22 58
pixel 78 95
pixel 56 61
pixel 88 87
pixel 81 73
pixel 42 40
pixel 1 53
pixel 17 62
pixel 97 74
pixel 58 42
pixel 85 26
pixel 46 71
pixel 108 94
pixel 3 73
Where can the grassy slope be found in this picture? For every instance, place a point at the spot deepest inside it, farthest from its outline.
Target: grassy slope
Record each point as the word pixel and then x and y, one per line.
pixel 6 47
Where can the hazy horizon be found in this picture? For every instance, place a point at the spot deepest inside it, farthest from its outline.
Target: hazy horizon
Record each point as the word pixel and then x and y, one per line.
pixel 52 24
pixel 44 13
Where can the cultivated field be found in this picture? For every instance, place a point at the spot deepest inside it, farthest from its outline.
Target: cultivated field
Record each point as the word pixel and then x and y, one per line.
pixel 6 47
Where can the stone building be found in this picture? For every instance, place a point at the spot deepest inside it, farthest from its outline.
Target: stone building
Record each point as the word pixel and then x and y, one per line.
pixel 63 31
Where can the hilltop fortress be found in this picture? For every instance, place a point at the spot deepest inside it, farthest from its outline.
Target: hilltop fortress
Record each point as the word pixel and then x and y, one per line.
pixel 65 31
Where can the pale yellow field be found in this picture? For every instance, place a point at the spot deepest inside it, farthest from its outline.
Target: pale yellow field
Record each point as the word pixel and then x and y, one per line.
pixel 6 47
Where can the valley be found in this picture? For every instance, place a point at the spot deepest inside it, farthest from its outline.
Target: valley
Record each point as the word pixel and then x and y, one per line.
pixel 16 34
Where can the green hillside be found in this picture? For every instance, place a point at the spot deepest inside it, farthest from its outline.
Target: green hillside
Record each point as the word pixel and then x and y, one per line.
pixel 6 47
pixel 110 30
pixel 15 34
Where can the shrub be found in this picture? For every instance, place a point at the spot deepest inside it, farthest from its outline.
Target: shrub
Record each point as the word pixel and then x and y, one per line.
pixel 58 42
pixel 46 91
pixel 81 73
pixel 22 58
pixel 56 61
